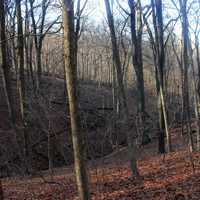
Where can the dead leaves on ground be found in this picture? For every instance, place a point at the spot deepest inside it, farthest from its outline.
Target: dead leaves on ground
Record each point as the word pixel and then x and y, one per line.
pixel 169 180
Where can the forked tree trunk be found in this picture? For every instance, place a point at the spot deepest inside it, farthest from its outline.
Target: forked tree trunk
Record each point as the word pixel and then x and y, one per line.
pixel 137 60
pixel 71 78
pixel 38 36
pixel 117 63
pixel 136 34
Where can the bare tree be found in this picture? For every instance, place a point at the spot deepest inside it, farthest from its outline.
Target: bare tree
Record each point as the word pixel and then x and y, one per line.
pixel 5 65
pixel 21 82
pixel 20 45
pixel 160 64
pixel 40 32
pixel 185 49
pixel 71 80
pixel 6 71
pixel 28 45
pixel 123 100
pixel 137 59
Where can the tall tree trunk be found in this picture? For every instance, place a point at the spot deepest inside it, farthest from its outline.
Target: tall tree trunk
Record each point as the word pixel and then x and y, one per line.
pixel 21 85
pixel 27 39
pixel 20 47
pixel 6 71
pixel 71 78
pixel 185 44
pixel 117 63
pixel 136 34
pixel 137 60
pixel 196 97
pixel 160 64
pixel 5 65
pixel 197 93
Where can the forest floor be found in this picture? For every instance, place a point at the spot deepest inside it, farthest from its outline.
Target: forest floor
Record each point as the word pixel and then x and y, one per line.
pixel 169 177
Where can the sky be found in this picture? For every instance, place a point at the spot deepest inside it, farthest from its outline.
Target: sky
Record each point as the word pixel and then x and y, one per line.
pixel 97 12
pixel 98 7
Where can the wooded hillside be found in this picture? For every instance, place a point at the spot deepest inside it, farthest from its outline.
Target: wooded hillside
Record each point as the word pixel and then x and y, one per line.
pixel 99 99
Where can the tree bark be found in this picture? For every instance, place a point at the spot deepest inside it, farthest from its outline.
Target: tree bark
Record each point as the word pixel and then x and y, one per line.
pixel 39 64
pixel 5 65
pixel 21 83
pixel 197 93
pixel 6 71
pixel 20 47
pixel 160 64
pixel 71 78
pixel 137 60
pixel 185 46
pixel 123 101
